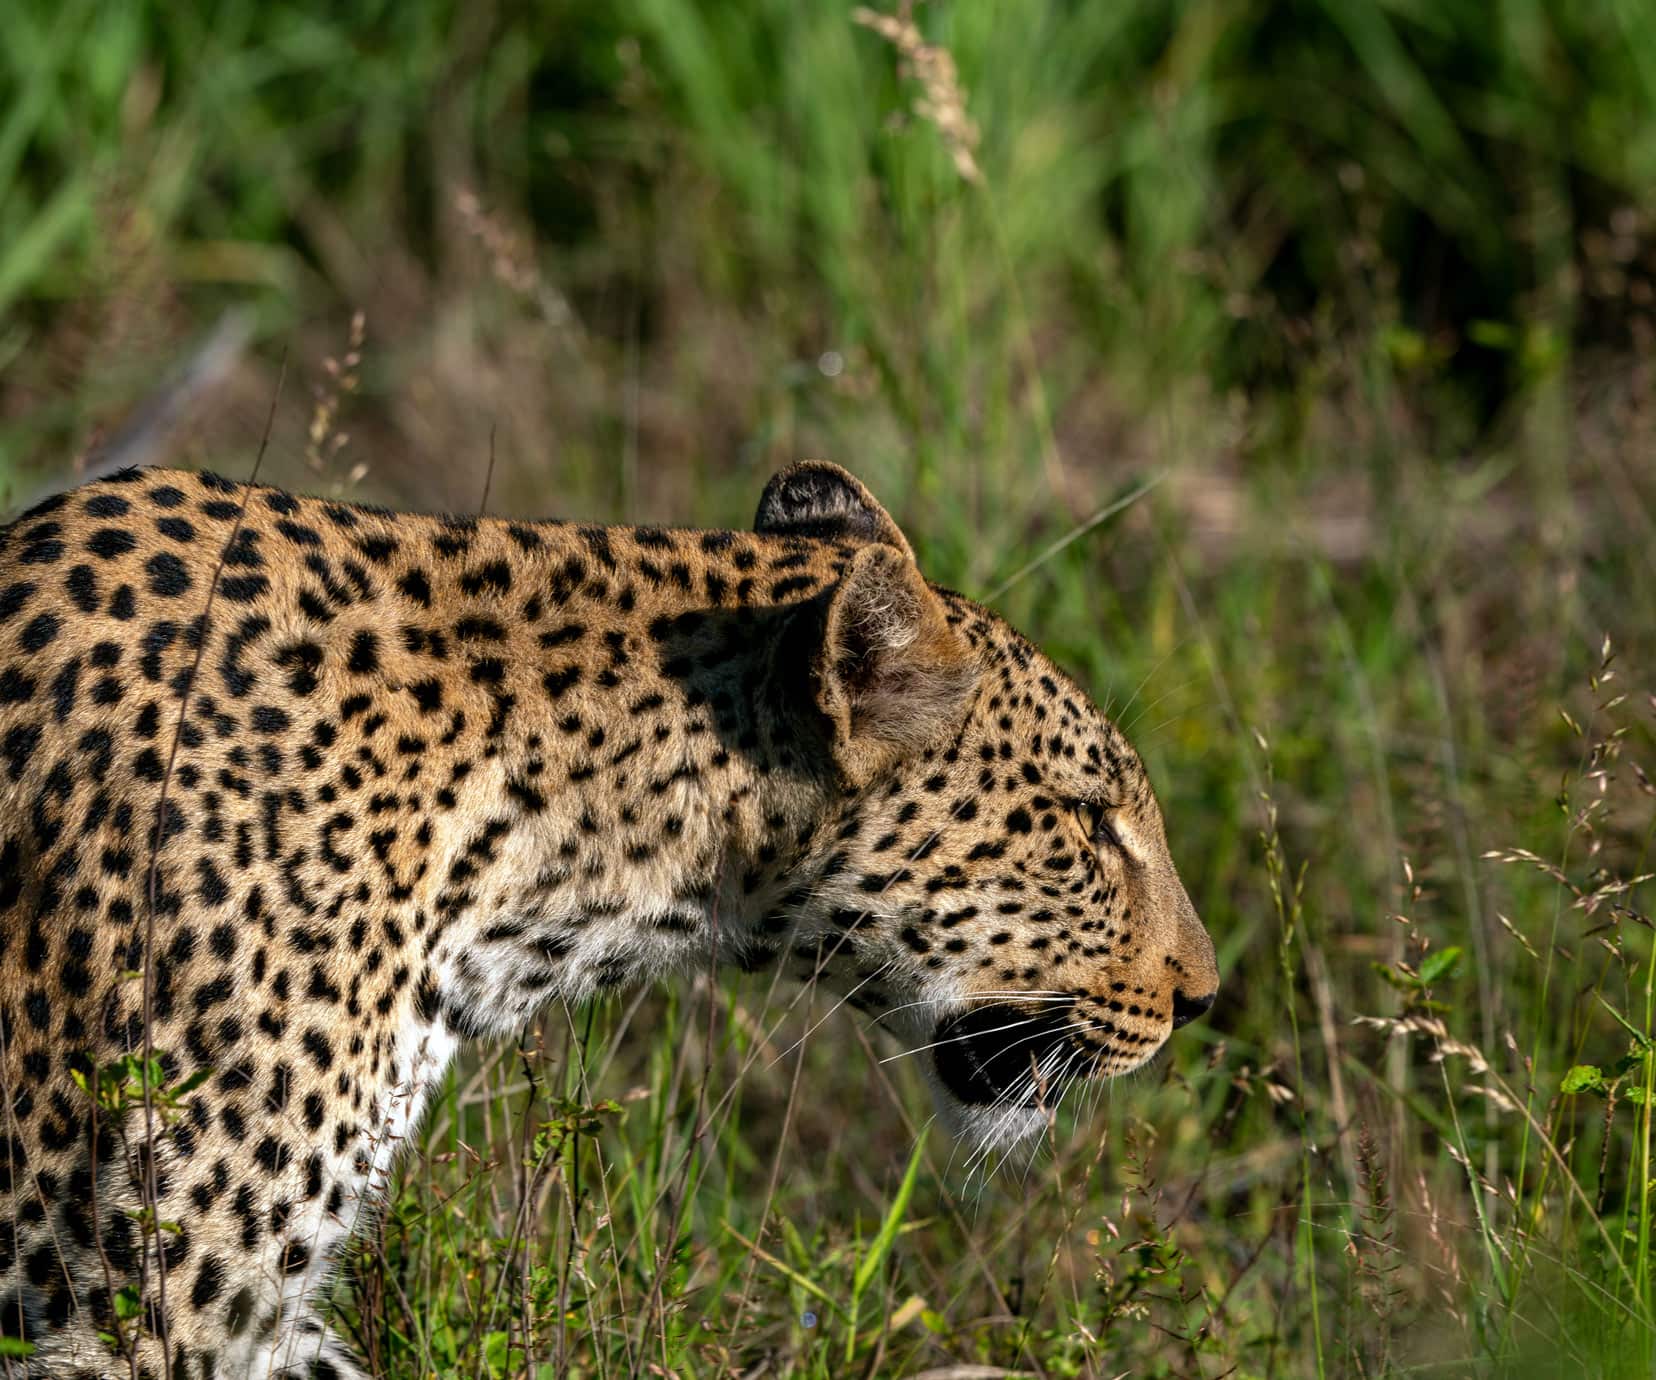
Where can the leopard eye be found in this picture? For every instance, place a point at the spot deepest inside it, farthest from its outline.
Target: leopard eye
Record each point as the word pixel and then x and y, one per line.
pixel 1095 819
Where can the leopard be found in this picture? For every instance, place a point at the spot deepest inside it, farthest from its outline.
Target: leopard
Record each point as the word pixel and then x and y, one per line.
pixel 298 795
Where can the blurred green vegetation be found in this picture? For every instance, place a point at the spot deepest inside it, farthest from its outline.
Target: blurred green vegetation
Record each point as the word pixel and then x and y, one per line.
pixel 1367 291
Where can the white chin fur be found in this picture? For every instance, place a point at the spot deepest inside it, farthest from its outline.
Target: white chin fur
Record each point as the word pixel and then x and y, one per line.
pixel 987 1128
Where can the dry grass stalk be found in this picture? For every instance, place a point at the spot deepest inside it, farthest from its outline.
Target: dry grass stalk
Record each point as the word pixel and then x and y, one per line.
pixel 1373 1248
pixel 942 102
pixel 324 441
pixel 512 262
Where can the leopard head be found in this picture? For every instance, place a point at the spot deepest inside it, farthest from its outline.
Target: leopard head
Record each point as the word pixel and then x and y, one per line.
pixel 994 881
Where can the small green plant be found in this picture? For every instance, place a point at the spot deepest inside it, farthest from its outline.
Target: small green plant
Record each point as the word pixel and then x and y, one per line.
pixel 132 1081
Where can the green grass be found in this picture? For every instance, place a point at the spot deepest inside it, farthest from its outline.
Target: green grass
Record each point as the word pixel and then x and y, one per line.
pixel 1365 292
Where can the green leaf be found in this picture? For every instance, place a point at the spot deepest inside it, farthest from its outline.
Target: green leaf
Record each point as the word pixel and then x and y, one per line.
pixel 127 1302
pixel 1641 1041
pixel 1628 1062
pixel 1440 964
pixel 16 1346
pixel 497 1352
pixel 870 1264
pixel 1583 1078
pixel 1402 982
pixel 190 1084
pixel 1492 335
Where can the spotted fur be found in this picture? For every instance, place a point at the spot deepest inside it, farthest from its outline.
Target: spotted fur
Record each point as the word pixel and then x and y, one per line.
pixel 296 795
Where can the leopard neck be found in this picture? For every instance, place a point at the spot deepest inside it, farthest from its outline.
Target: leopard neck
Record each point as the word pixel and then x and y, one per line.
pixel 641 777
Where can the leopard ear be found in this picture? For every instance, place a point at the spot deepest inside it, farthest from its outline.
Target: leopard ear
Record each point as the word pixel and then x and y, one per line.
pixel 892 676
pixel 817 499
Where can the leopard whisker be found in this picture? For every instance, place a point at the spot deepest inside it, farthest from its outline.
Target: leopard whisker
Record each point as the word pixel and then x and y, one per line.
pixel 1055 1070
pixel 1031 994
pixel 828 1015
pixel 956 1039
pixel 1011 1104
pixel 1062 1082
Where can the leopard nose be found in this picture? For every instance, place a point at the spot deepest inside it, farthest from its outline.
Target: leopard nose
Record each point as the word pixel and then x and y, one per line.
pixel 1186 1009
